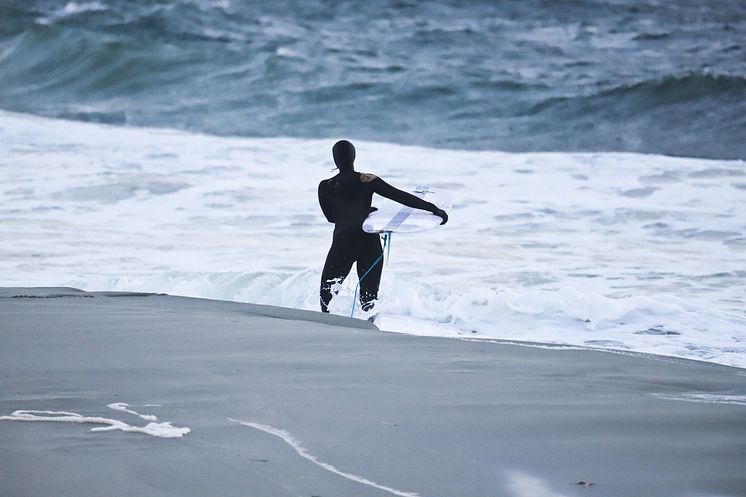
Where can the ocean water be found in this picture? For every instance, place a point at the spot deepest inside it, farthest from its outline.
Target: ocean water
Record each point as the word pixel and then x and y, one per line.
pixel 594 150
pixel 630 252
pixel 525 75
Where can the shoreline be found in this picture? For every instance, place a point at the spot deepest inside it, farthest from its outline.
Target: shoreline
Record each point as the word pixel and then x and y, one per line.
pixel 272 405
pixel 344 321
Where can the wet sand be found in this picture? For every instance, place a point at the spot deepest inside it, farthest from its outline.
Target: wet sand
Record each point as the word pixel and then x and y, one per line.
pixel 283 402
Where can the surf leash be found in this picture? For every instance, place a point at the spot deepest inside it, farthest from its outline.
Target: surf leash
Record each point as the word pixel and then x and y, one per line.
pixel 387 248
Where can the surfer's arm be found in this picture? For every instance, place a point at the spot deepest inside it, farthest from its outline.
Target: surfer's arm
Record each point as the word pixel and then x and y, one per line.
pixel 324 201
pixel 385 190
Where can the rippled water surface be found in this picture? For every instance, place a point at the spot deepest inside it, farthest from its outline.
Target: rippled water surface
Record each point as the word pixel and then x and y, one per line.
pixel 613 75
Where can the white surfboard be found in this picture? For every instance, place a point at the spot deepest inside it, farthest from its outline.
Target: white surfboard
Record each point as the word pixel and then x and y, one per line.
pixel 392 217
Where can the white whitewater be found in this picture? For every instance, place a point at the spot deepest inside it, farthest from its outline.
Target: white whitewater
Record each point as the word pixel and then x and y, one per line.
pixel 631 252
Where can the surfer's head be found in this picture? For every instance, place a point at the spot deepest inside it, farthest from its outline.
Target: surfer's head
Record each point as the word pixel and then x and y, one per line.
pixel 344 155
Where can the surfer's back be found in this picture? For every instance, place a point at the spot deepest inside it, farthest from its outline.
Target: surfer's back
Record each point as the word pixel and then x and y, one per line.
pixel 346 199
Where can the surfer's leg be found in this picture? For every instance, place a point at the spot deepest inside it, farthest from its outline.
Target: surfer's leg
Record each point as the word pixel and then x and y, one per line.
pixel 369 250
pixel 336 268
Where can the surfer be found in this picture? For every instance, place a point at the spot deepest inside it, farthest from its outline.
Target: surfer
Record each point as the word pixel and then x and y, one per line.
pixel 346 202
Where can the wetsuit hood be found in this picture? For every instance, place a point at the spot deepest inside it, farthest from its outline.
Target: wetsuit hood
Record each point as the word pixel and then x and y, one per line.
pixel 344 155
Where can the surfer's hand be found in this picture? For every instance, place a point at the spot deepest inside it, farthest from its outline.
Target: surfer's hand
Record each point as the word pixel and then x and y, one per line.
pixel 442 214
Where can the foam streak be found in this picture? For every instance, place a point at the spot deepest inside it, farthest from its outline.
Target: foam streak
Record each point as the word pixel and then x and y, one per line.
pixel 121 406
pixel 161 430
pixel 706 398
pixel 301 451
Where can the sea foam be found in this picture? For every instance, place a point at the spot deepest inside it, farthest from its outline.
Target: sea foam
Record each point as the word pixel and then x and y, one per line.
pixel 298 447
pixel 153 428
pixel 632 252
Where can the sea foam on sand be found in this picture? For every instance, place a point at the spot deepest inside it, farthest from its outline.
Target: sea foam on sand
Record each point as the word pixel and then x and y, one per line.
pixel 161 430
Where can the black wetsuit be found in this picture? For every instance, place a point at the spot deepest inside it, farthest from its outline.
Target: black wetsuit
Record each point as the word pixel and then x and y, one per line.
pixel 346 202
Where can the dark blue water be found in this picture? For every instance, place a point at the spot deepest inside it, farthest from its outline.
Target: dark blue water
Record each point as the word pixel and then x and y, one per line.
pixel 616 75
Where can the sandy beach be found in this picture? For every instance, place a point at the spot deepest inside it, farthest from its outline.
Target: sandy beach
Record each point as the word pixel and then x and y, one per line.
pixel 240 399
